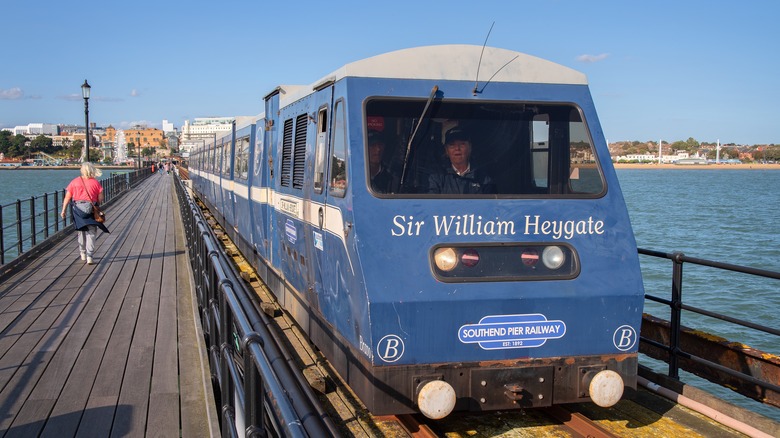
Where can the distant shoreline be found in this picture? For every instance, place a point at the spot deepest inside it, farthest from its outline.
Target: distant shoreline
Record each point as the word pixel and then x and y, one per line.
pixel 746 166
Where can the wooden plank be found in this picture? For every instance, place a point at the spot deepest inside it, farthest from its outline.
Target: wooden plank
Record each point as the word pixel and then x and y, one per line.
pixel 165 376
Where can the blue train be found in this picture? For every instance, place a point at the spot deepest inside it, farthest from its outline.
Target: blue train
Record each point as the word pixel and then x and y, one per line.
pixel 446 225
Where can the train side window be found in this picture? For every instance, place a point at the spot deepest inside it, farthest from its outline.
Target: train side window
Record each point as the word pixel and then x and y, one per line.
pixel 540 150
pixel 242 158
pixel 217 160
pixel 213 159
pixel 338 161
pixel 319 154
pixel 226 162
pixel 584 174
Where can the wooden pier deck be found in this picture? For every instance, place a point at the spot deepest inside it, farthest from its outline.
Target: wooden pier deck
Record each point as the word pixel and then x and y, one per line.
pixel 110 349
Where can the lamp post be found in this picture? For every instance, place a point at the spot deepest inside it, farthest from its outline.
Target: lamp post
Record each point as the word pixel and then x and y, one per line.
pixel 85 93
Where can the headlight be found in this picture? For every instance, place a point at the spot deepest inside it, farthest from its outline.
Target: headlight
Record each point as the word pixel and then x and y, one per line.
pixel 553 257
pixel 446 259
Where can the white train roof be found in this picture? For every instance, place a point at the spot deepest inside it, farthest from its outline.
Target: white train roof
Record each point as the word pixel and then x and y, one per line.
pixel 454 62
pixel 460 62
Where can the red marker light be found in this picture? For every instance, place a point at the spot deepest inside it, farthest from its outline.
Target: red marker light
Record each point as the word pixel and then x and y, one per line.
pixel 530 257
pixel 470 258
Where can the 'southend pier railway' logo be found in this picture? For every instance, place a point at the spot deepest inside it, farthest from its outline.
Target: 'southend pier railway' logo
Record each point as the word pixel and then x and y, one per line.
pixel 512 331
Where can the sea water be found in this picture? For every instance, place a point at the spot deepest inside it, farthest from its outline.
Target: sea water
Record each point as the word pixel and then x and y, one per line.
pixel 724 215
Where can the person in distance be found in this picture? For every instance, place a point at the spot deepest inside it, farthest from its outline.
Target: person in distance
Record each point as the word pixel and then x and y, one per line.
pixel 81 193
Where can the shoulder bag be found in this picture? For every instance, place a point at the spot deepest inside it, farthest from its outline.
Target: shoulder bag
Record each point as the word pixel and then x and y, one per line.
pixel 97 213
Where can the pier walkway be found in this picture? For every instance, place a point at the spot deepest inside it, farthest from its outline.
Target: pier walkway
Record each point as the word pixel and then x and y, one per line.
pixel 110 349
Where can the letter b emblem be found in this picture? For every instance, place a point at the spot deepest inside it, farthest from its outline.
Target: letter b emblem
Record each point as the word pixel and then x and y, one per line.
pixel 390 348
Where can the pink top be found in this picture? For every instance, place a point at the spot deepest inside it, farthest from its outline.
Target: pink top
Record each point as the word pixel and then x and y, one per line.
pixel 82 193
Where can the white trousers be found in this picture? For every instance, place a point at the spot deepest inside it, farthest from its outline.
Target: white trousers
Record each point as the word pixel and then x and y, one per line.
pixel 87 240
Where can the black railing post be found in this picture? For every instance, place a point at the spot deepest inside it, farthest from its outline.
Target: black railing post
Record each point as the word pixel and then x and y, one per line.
pixel 56 211
pixel 228 386
pixel 2 239
pixel 65 219
pixel 253 393
pixel 19 227
pixel 46 213
pixel 32 221
pixel 676 315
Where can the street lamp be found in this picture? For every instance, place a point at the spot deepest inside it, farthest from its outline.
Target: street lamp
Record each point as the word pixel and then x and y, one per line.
pixel 85 92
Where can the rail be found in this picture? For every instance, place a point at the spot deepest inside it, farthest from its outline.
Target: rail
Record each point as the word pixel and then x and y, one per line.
pixel 259 390
pixel 750 372
pixel 27 223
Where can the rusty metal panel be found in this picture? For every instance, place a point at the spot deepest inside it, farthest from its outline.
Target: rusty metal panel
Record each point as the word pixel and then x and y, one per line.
pixel 521 387
pixel 733 355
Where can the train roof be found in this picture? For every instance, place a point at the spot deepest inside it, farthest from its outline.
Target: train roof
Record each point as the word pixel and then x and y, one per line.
pixel 458 62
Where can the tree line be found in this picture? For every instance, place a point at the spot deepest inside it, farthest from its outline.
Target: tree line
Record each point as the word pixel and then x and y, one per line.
pixel 19 146
pixel 769 152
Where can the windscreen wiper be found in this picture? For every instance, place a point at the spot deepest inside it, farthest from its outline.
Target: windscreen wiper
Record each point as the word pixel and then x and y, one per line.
pixel 414 133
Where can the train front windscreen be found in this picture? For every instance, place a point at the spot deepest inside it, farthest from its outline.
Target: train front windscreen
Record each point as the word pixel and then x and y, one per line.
pixel 479 149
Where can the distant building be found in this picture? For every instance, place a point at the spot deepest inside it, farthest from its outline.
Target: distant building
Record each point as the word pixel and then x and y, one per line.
pixel 206 127
pixel 173 140
pixel 202 129
pixel 168 127
pixel 109 136
pixel 144 137
pixel 36 129
pixel 61 141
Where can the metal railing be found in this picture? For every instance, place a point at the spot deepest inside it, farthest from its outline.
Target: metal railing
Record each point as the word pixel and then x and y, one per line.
pixel 27 223
pixel 674 348
pixel 258 389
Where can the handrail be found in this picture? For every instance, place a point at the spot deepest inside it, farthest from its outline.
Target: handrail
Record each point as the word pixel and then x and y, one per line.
pixel 36 220
pixel 768 372
pixel 262 396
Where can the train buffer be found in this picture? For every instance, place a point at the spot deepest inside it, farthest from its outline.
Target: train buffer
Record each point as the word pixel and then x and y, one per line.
pixel 109 349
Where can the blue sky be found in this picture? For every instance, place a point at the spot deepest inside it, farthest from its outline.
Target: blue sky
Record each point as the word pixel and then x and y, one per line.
pixel 657 69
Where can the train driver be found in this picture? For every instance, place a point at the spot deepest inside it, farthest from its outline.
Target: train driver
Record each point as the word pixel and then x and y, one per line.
pixel 460 178
pixel 381 178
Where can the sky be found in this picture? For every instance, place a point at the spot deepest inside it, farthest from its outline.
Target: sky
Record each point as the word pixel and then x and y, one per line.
pixel 658 70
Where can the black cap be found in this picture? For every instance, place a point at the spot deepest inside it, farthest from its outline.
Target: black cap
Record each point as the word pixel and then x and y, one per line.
pixel 375 137
pixel 456 134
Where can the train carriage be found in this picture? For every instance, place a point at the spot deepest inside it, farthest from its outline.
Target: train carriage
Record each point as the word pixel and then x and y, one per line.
pixel 511 282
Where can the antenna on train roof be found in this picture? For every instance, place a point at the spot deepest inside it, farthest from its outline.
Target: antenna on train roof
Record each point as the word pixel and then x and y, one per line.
pixel 476 80
pixel 476 89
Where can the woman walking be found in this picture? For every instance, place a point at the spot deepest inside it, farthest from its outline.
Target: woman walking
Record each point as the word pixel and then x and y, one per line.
pixel 81 193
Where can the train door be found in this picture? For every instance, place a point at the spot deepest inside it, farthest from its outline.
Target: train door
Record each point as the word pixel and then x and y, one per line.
pixel 258 194
pixel 228 198
pixel 318 210
pixel 242 177
pixel 272 145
